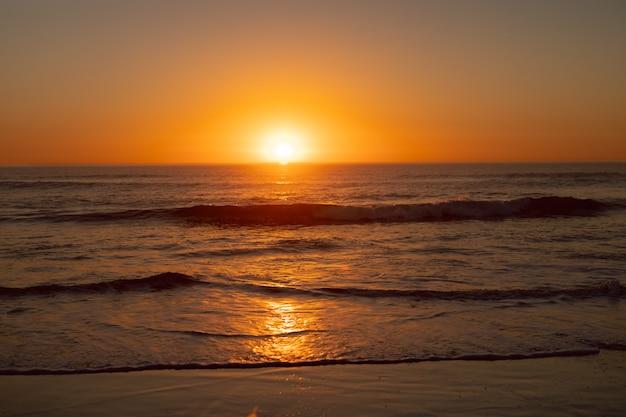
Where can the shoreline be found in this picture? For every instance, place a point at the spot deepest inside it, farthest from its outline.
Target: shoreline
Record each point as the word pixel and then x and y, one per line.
pixel 306 364
pixel 562 385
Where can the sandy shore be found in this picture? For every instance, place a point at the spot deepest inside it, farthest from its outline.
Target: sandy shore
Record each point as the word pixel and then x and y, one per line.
pixel 568 386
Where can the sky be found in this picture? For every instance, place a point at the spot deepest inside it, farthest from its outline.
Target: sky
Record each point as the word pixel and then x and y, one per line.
pixel 151 82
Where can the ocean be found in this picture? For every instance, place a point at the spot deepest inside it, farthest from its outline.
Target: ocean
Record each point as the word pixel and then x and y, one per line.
pixel 128 268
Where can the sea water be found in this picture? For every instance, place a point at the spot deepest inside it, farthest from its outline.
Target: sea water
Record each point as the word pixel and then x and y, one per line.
pixel 106 268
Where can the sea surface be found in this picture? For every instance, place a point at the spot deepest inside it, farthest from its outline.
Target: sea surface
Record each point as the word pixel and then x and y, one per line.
pixel 121 268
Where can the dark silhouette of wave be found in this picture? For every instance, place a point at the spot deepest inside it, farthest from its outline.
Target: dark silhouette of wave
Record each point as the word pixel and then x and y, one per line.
pixel 174 280
pixel 611 288
pixel 312 214
pixel 164 281
pixel 321 214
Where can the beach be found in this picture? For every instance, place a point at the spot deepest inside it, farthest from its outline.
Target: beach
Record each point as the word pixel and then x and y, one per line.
pixel 593 385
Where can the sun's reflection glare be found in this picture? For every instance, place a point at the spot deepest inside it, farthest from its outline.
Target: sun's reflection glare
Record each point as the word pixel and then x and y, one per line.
pixel 292 330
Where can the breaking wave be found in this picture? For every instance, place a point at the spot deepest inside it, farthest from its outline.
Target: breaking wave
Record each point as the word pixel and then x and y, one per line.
pixel 320 214
pixel 164 281
pixel 312 214
pixel 174 280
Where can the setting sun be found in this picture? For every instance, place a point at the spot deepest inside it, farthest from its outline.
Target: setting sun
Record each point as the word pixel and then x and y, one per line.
pixel 284 146
pixel 283 151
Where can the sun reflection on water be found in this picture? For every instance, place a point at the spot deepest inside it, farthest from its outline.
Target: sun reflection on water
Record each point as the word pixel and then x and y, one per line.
pixel 292 330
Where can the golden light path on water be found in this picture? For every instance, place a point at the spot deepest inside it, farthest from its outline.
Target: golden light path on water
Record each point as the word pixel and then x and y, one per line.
pixel 292 340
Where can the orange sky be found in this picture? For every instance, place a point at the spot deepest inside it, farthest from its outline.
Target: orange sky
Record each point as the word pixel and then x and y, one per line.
pixel 361 81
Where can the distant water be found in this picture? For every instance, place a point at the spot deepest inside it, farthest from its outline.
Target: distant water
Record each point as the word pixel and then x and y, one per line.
pixel 134 267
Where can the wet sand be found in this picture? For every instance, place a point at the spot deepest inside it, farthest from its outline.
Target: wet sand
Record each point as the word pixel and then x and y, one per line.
pixel 563 386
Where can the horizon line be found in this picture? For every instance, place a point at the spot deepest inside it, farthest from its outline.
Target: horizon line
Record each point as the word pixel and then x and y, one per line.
pixel 70 164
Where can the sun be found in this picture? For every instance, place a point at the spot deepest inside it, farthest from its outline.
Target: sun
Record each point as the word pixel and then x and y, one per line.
pixel 283 146
pixel 283 151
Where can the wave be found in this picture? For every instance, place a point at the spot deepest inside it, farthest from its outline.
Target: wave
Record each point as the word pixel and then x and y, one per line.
pixel 611 288
pixel 313 214
pixel 159 282
pixel 582 351
pixel 321 214
pixel 174 280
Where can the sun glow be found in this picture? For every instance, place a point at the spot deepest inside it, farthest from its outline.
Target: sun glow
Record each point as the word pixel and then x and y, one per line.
pixel 283 151
pixel 284 146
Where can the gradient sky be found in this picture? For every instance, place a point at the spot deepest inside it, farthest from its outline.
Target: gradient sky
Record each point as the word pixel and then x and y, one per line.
pixel 152 81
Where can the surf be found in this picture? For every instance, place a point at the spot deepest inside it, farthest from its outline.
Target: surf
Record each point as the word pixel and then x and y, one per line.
pixel 311 214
